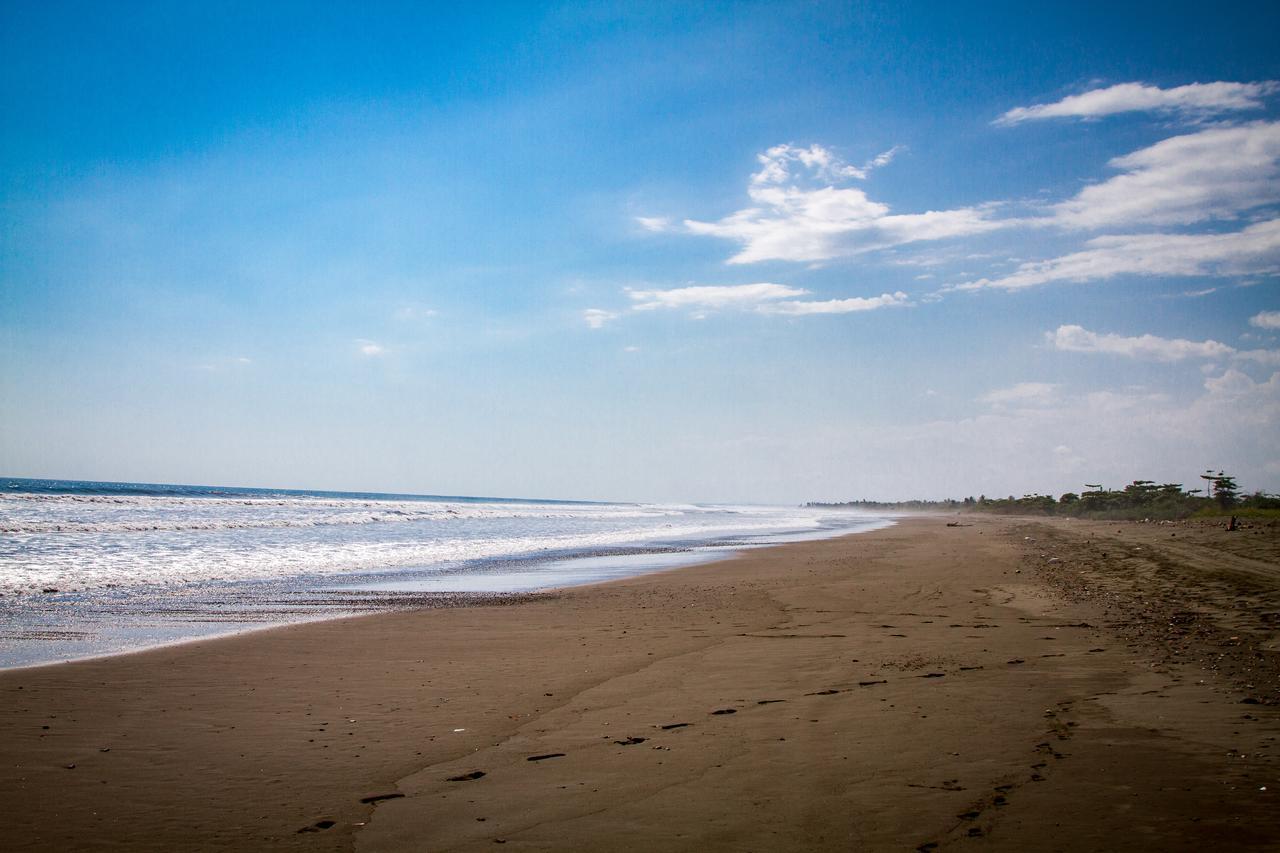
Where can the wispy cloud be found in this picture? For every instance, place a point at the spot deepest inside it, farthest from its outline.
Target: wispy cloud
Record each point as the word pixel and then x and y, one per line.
pixel 1194 99
pixel 761 297
pixel 1217 173
pixel 1255 249
pixel 777 164
pixel 1079 339
pixel 1022 394
pixel 1266 320
pixel 799 214
pixel 370 349
pixel 221 364
pixel 654 223
pixel 415 312
pixel 712 297
pixel 596 318
pixel 837 306
pixel 1073 338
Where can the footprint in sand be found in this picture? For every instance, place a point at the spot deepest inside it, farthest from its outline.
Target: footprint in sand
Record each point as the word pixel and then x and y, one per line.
pixel 670 726
pixel 466 777
pixel 631 741
pixel 545 757
pixel 724 711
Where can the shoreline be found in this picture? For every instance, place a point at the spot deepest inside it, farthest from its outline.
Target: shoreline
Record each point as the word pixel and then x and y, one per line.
pixel 69 626
pixel 860 690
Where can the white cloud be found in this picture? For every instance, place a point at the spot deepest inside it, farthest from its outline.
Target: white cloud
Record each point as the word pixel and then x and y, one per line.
pixel 791 222
pixel 1261 356
pixel 1072 338
pixel 1234 384
pixel 712 297
pixel 776 164
pixel 884 158
pixel 1216 173
pixel 1079 339
pixel 836 306
pixel 1255 249
pixel 415 312
pixel 1266 320
pixel 1195 99
pixel 654 223
pixel 370 349
pixel 762 297
pixel 1022 394
pixel 596 318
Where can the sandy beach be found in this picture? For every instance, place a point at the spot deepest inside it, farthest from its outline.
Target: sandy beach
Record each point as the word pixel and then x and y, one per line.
pixel 1007 683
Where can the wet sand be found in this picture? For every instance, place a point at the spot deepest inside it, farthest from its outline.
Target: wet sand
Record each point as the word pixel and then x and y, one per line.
pixel 1008 684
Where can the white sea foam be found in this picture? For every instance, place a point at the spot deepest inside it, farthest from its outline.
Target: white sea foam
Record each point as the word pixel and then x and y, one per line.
pixel 93 541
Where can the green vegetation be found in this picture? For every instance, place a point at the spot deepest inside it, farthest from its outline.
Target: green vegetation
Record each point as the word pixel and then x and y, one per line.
pixel 1140 499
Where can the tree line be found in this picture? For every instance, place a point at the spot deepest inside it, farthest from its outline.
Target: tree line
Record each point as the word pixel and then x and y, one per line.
pixel 1139 499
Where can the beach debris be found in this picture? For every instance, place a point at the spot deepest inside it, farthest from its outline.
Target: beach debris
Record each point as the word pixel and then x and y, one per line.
pixel 631 741
pixel 377 798
pixel 545 757
pixel 466 777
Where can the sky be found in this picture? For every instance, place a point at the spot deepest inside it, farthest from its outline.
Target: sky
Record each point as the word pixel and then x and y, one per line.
pixel 732 252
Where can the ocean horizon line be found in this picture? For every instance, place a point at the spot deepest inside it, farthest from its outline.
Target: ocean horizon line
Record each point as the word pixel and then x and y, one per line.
pixel 55 485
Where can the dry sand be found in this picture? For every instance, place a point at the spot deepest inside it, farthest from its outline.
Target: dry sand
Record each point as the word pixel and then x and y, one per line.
pixel 1006 684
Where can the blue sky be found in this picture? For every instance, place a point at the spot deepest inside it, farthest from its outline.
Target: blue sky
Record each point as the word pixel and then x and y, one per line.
pixel 729 252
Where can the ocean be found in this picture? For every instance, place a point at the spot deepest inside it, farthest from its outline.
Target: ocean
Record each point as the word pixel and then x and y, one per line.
pixel 90 568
